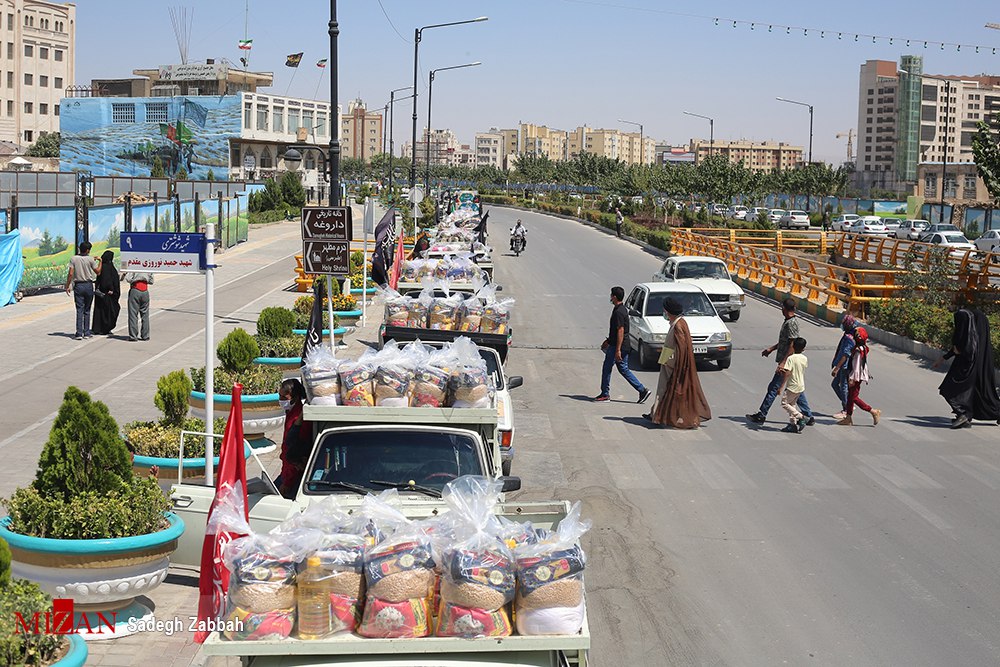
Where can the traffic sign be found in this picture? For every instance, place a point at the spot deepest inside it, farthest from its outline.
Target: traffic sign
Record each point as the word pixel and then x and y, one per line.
pixel 326 257
pixel 249 162
pixel 327 223
pixel 416 195
pixel 161 252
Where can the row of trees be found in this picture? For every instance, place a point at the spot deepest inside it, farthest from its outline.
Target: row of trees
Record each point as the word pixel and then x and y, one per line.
pixel 713 179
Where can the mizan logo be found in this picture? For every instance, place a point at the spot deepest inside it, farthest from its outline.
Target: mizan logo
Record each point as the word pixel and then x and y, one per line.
pixel 59 621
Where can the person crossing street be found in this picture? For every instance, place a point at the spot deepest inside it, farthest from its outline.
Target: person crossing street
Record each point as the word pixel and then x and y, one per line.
pixel 789 331
pixel 616 348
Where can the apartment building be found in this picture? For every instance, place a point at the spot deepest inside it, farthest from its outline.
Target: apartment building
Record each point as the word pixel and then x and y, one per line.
pixel 38 40
pixel 541 140
pixel 489 149
pixel 441 147
pixel 755 155
pixel 360 131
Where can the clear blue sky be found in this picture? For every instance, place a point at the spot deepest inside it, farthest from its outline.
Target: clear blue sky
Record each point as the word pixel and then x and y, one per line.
pixel 564 63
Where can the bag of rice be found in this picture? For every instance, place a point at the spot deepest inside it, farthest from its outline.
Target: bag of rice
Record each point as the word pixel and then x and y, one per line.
pixel 321 377
pixel 399 573
pixel 443 312
pixel 356 383
pixel 261 585
pixel 471 385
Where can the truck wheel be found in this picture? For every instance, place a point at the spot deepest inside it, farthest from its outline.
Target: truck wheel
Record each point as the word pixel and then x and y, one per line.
pixel 725 363
pixel 505 467
pixel 734 315
pixel 643 356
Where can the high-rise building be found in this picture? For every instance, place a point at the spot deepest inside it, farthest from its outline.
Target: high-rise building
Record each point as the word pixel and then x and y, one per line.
pixel 541 140
pixel 755 155
pixel 38 40
pixel 489 149
pixel 877 119
pixel 360 131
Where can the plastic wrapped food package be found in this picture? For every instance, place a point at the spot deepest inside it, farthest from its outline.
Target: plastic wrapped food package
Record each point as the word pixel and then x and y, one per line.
pixel 397 309
pixel 321 377
pixel 262 587
pixel 443 313
pixel 332 587
pixel 417 311
pixel 430 386
pixel 400 577
pixel 470 315
pixel 392 384
pixel 496 317
pixel 356 383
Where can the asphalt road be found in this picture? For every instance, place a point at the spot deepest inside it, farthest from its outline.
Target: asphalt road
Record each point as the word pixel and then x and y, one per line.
pixel 741 545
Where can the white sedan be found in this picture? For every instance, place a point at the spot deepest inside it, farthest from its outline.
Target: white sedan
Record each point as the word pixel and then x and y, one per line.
pixel 775 216
pixel 954 241
pixel 712 276
pixel 843 222
pixel 868 224
pixel 989 241
pixel 794 220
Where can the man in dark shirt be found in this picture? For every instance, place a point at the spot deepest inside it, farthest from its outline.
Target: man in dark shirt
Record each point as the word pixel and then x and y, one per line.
pixel 616 349
pixel 789 331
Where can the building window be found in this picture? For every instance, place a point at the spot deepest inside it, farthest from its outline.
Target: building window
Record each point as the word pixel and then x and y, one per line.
pixel 930 185
pixel 265 159
pixel 43 109
pixel 29 136
pixel 234 156
pixel 156 112
pixel 969 186
pixel 262 118
pixel 57 82
pixel 294 120
pixel 43 53
pixel 29 50
pixel 10 50
pixel 247 116
pixel 123 113
pixel 321 125
pixel 58 55
pixel 28 79
pixel 43 81
pixel 10 21
pixel 10 108
pixel 29 107
pixel 278 119
pixel 56 109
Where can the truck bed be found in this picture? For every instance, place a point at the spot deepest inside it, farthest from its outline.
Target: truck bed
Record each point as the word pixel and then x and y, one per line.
pixel 498 342
pixel 456 417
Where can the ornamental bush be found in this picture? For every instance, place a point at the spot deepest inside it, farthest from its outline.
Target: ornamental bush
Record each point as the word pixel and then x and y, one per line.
pixel 4 564
pixel 172 392
pixel 237 351
pixel 283 347
pixel 26 598
pixel 275 322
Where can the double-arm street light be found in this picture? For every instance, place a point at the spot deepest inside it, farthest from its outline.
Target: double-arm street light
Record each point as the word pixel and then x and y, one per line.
pixel 388 107
pixel 804 104
pixel 418 34
pixel 947 123
pixel 711 130
pixel 642 148
pixel 430 91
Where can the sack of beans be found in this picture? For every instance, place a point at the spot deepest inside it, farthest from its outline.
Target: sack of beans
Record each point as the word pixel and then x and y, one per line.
pixel 261 588
pixel 550 595
pixel 399 573
pixel 321 376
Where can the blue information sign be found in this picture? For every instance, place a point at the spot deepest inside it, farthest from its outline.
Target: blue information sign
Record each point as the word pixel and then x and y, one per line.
pixel 160 252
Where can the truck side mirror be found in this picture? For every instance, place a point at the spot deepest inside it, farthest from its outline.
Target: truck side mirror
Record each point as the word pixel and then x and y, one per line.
pixel 511 484
pixel 514 381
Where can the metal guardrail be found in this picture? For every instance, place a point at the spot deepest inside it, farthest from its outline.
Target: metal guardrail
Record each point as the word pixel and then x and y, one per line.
pixel 775 239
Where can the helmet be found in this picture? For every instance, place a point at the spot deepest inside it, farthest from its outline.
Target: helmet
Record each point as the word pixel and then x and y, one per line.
pixel 861 335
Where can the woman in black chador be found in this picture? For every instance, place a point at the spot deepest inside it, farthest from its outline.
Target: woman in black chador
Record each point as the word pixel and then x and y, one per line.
pixel 970 385
pixel 107 294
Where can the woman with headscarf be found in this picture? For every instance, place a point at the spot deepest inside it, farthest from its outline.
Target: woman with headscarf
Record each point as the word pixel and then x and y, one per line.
pixel 970 386
pixel 841 367
pixel 680 401
pixel 107 293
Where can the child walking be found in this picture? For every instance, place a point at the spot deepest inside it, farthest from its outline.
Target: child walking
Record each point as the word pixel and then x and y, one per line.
pixel 858 374
pixel 795 384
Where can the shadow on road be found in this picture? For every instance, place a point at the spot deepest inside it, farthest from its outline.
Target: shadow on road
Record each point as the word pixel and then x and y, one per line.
pixel 61 334
pixel 636 421
pixel 929 422
pixel 590 399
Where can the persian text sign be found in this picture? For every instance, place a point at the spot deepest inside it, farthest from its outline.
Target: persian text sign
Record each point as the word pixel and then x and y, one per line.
pixel 326 257
pixel 159 252
pixel 326 223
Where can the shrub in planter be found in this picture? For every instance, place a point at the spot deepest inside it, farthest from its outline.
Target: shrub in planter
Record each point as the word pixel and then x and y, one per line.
pixel 26 598
pixel 344 302
pixel 172 391
pixel 275 322
pixel 283 347
pixel 237 351
pixel 162 438
pixel 255 379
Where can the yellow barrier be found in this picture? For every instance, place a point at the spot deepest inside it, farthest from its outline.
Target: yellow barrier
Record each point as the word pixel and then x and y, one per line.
pixel 775 239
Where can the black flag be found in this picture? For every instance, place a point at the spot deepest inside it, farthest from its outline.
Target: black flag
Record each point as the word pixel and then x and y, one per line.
pixel 481 228
pixel 314 335
pixel 382 255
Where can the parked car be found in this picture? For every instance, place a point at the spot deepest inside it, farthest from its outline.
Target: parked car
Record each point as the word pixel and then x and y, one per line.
pixel 712 276
pixel 843 222
pixel 869 224
pixel 891 225
pixel 774 217
pixel 755 212
pixel 648 327
pixel 575 195
pixel 941 227
pixel 954 241
pixel 989 241
pixel 720 210
pixel 911 230
pixel 794 219
pixel 738 213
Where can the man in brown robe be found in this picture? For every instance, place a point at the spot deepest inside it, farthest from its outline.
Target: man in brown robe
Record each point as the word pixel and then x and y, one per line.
pixel 680 402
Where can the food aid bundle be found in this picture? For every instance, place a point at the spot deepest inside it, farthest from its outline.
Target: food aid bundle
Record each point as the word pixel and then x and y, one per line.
pixel 413 375
pixel 465 572
pixel 456 268
pixel 439 308
pixel 462 217
pixel 450 234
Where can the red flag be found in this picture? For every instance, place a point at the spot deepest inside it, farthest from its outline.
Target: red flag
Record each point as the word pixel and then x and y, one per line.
pixel 213 583
pixel 397 263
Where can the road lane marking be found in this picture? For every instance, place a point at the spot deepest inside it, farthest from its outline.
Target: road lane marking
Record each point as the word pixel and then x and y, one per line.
pixel 533 425
pixel 721 472
pixel 912 433
pixel 898 472
pixel 908 500
pixel 539 470
pixel 764 434
pixel 810 472
pixel 975 467
pixel 606 429
pixel 631 471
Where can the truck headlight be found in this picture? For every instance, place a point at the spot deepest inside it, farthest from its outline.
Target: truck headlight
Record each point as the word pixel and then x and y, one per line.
pixel 659 338
pixel 721 337
pixel 736 298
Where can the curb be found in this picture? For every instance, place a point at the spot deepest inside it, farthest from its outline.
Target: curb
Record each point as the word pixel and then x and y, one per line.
pixel 903 344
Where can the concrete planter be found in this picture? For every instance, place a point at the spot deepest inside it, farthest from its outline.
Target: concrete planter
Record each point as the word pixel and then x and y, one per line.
pixel 357 291
pixel 77 654
pixel 284 363
pixel 193 468
pixel 903 344
pixel 103 577
pixel 338 333
pixel 347 318
pixel 261 412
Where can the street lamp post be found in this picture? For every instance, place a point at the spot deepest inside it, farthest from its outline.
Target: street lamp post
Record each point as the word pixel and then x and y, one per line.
pixel 804 104
pixel 334 160
pixel 642 148
pixel 947 124
pixel 389 106
pixel 711 131
pixel 418 34
pixel 430 91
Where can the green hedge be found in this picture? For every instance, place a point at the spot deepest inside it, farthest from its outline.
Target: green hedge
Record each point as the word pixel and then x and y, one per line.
pixel 264 217
pixel 924 323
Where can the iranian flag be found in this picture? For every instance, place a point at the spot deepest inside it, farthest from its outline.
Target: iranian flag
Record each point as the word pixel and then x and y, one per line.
pixel 246 44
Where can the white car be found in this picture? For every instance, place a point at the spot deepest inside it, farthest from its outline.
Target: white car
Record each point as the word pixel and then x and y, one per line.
pixel 954 241
pixel 712 276
pixel 843 222
pixel 868 224
pixel 648 326
pixel 794 220
pixel 720 210
pixel 755 212
pixel 911 230
pixel 989 241
pixel 738 213
pixel 775 216
pixel 891 225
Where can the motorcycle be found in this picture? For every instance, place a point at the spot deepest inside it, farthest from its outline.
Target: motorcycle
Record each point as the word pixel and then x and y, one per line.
pixel 517 244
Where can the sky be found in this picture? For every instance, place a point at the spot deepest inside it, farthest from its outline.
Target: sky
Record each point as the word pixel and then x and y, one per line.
pixel 565 63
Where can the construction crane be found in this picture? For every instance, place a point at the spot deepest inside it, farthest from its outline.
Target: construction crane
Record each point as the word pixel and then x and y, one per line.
pixel 850 143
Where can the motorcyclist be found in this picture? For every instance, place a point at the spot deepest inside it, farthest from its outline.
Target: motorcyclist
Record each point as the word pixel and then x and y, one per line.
pixel 519 230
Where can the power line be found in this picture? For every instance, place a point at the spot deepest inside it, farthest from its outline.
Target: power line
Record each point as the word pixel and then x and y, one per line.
pixel 391 25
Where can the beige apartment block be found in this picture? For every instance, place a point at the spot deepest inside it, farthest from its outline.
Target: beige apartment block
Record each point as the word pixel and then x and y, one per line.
pixel 541 140
pixel 755 155
pixel 489 149
pixel 360 132
pixel 38 44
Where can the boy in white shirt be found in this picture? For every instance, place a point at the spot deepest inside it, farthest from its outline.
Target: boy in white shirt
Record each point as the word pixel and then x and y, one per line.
pixel 795 383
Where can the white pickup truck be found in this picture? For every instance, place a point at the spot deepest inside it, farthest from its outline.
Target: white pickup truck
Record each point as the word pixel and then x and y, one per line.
pixel 362 450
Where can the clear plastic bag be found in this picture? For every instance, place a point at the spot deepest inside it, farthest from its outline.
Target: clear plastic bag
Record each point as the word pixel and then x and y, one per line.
pixel 443 311
pixel 261 588
pixel 496 314
pixel 356 383
pixel 332 587
pixel 397 309
pixel 321 377
pixel 471 314
pixel 417 310
pixel 471 385
pixel 393 377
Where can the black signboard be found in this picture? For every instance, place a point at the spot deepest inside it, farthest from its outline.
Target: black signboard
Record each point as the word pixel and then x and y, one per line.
pixel 327 223
pixel 326 257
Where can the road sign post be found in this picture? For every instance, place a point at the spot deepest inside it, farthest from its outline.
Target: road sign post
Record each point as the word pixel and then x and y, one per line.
pixel 326 247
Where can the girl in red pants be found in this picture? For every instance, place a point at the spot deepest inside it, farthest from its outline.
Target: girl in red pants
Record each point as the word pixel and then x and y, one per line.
pixel 858 374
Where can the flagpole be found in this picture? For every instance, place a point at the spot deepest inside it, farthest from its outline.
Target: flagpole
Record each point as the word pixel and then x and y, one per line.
pixel 322 71
pixel 296 68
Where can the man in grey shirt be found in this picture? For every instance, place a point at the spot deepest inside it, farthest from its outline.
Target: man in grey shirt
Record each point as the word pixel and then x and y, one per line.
pixel 83 271
pixel 789 332
pixel 138 303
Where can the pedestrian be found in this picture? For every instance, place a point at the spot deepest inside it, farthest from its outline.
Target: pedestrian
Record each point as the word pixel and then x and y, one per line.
pixel 680 402
pixel 138 303
pixel 788 332
pixel 83 271
pixel 619 221
pixel 795 385
pixel 859 373
pixel 296 443
pixel 840 365
pixel 970 386
pixel 107 296
pixel 616 348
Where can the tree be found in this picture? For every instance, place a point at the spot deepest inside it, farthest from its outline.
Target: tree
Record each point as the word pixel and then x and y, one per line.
pixel 49 246
pixel 292 191
pixel 210 176
pixel 181 174
pixel 157 170
pixel 986 151
pixel 47 145
pixel 115 237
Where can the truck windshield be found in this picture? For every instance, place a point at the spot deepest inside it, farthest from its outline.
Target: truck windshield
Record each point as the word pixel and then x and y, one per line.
pixel 370 458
